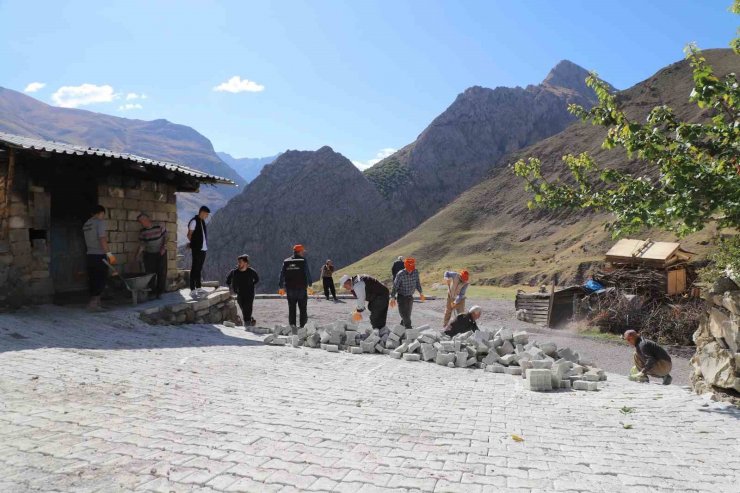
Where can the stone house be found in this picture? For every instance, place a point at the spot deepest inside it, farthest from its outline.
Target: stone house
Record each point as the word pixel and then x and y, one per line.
pixel 47 190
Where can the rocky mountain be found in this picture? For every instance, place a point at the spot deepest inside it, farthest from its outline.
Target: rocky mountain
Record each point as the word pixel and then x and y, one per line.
pixel 157 139
pixel 489 229
pixel 469 138
pixel 317 198
pixel 247 167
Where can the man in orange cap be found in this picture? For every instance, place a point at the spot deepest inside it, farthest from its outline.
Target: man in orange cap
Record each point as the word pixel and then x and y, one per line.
pixel 406 282
pixel 457 286
pixel 295 279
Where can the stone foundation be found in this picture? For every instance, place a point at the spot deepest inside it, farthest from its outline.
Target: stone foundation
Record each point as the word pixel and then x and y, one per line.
pixel 717 360
pixel 217 307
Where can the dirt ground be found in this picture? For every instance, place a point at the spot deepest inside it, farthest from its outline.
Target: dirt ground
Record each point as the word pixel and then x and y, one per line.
pixel 609 355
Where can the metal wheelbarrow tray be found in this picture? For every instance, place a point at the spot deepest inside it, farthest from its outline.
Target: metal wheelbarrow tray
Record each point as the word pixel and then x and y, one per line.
pixel 137 283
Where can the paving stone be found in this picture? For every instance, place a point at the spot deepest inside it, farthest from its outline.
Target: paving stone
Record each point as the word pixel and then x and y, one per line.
pixel 584 385
pixel 332 348
pixel 356 350
pixel 412 357
pixel 513 370
pixel 395 355
pixel 539 380
pixel 520 337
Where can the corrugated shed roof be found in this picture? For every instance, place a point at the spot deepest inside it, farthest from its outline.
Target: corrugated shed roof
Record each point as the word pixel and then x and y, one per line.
pixel 64 148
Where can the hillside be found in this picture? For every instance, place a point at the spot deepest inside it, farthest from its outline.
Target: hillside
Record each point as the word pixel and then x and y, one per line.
pixel 247 167
pixel 461 145
pixel 317 198
pixel 489 229
pixel 157 139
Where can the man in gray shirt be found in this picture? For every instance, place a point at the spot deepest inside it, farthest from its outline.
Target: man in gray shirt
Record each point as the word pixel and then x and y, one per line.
pixel 96 242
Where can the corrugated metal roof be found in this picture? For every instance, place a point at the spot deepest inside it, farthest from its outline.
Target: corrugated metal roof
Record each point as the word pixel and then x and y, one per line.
pixel 64 148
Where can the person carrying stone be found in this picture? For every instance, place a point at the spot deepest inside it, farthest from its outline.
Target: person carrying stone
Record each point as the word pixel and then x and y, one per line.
pixel 327 271
pixel 98 251
pixel 242 282
pixel 650 359
pixel 396 267
pixel 464 322
pixel 198 238
pixel 457 286
pixel 295 279
pixel 153 251
pixel 404 284
pixel 368 289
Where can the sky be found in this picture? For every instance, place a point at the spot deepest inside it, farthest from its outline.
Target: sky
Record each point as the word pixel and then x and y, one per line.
pixel 364 77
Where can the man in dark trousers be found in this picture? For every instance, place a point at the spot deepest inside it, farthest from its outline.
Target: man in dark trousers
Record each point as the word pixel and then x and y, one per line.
pixel 404 284
pixel 294 281
pixel 198 238
pixel 464 322
pixel 153 250
pixel 649 358
pixel 98 252
pixel 367 288
pixel 242 282
pixel 327 273
pixel 396 267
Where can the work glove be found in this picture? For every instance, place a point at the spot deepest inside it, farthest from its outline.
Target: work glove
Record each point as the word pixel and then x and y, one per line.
pixel 357 316
pixel 281 292
pixel 111 258
pixel 392 303
pixel 423 298
pixel 311 291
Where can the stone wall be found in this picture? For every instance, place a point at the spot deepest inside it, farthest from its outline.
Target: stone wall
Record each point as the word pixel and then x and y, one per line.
pixel 217 307
pixel 717 360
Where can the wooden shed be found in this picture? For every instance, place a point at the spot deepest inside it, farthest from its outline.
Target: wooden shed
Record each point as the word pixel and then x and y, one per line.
pixel 549 309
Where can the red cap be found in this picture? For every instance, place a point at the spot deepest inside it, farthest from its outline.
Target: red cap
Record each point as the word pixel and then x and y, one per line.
pixel 464 275
pixel 298 248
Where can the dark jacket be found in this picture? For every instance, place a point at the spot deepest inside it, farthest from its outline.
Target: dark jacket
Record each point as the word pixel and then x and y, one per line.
pixel 243 282
pixel 397 267
pixel 326 271
pixel 463 323
pixel 200 232
pixel 294 274
pixel 650 353
pixel 372 288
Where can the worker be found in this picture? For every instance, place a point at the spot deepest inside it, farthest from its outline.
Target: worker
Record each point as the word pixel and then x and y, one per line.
pixel 404 284
pixel 396 268
pixel 368 289
pixel 327 273
pixel 295 279
pixel 242 282
pixel 198 238
pixel 464 322
pixel 457 286
pixel 98 252
pixel 650 359
pixel 153 251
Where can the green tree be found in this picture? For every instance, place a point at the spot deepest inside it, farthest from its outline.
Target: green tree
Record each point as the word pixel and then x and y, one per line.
pixel 692 172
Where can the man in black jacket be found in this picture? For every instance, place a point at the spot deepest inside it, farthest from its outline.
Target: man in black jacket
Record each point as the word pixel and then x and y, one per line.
pixel 464 322
pixel 294 281
pixel 242 281
pixel 368 289
pixel 649 358
pixel 396 267
pixel 198 238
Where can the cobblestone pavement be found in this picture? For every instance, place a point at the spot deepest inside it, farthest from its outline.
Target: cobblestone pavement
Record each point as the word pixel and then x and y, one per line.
pixel 104 403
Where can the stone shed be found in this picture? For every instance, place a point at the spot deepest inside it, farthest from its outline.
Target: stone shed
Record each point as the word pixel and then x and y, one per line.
pixel 47 190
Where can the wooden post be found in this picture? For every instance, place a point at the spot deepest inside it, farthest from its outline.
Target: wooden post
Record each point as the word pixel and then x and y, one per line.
pixel 552 303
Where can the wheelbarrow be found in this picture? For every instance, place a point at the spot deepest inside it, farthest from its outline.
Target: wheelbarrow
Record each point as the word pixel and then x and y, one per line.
pixel 136 284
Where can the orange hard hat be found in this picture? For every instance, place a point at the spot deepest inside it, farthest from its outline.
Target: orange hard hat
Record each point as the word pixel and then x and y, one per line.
pixel 464 275
pixel 409 264
pixel 298 248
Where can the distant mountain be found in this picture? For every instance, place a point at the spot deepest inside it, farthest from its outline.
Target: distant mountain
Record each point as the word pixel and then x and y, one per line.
pixel 462 144
pixel 157 139
pixel 247 167
pixel 317 198
pixel 490 231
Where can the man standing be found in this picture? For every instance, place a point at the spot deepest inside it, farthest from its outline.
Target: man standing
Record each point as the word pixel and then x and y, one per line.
pixel 457 286
pixel 294 281
pixel 96 242
pixel 153 250
pixel 405 283
pixel 367 288
pixel 242 281
pixel 327 271
pixel 396 267
pixel 649 358
pixel 198 238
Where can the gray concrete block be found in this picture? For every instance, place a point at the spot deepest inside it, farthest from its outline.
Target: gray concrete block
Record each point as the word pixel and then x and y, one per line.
pixel 541 364
pixel 513 370
pixel 445 359
pixel 391 344
pixel 411 357
pixel 569 354
pixel 399 330
pixel 428 352
pixel 268 339
pixel 280 341
pixel 332 348
pixel 506 348
pixel 539 380
pixel 461 359
pixel 394 337
pixel 491 358
pixel 549 348
pixel 403 348
pixel 508 359
pixel 505 334
pixel 412 334
pixel 448 346
pixel 495 368
pixel 414 346
pixel 584 385
pixel 379 349
pixel 471 362
pixel 395 355
pixel 520 337
pixel 450 365
pixel 565 384
pixel 356 350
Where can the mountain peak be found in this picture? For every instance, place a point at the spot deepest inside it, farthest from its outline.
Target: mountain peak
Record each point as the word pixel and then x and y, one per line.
pixel 568 75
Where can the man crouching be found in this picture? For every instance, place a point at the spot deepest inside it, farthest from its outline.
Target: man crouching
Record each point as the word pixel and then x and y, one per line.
pixel 650 359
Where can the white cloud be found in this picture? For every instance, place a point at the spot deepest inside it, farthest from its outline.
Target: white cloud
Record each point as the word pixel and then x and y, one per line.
pixel 236 84
pixel 382 154
pixel 132 95
pixel 34 86
pixel 130 106
pixel 74 96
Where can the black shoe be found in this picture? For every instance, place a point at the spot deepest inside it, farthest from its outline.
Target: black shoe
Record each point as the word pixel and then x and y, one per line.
pixel 667 380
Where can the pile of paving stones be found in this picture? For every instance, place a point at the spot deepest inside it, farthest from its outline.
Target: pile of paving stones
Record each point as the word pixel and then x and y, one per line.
pixel 543 365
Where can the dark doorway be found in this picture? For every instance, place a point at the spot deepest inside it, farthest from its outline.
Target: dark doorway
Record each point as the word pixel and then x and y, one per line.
pixel 73 195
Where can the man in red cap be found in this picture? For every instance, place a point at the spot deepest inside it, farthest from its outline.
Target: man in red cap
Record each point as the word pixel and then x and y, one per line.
pixel 295 279
pixel 457 286
pixel 406 282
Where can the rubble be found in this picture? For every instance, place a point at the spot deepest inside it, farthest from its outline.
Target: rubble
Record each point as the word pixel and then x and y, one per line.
pixel 543 366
